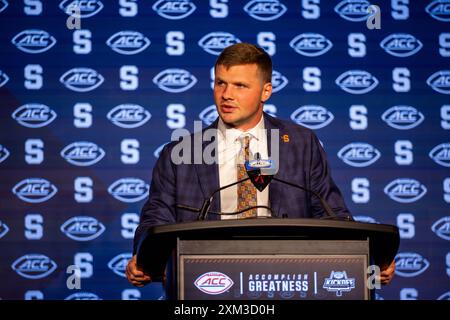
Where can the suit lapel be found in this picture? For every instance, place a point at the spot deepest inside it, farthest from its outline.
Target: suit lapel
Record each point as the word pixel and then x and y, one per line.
pixel 275 189
pixel 208 176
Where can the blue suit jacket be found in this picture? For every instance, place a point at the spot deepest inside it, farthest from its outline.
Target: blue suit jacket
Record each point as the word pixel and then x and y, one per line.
pixel 302 161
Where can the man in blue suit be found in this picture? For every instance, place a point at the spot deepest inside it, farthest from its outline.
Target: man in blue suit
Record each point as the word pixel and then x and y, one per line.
pixel 242 85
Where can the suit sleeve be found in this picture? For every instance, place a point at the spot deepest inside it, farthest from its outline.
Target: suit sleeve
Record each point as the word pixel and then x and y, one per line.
pixel 160 206
pixel 322 182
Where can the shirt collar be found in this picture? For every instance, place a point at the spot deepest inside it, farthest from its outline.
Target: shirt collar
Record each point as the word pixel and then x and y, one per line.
pixel 230 134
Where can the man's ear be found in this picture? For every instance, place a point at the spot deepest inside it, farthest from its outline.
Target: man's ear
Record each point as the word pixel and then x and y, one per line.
pixel 267 92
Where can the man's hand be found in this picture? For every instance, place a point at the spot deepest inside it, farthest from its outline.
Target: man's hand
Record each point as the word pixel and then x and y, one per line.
pixel 135 275
pixel 387 274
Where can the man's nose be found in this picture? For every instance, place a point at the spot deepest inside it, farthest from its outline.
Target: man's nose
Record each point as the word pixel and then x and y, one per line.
pixel 227 93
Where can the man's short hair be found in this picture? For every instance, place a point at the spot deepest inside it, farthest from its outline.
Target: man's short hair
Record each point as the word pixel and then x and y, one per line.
pixel 246 53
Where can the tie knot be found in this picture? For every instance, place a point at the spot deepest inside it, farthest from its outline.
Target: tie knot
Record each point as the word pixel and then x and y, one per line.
pixel 245 146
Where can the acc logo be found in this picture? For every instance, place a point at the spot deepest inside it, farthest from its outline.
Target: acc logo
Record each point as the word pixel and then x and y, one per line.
pixel 311 44
pixel 34 115
pixel 441 228
pixel 3 229
pixel 213 283
pixel 81 79
pixel 444 296
pixel 405 190
pixel 401 45
pixel 215 42
pixel 87 8
pixel 82 228
pixel 4 153
pixel 441 154
pixel 312 116
pixel 440 81
pixel 3 5
pixel 278 81
pixel 34 266
pixel 83 296
pixel 339 282
pixel 128 42
pixel 128 116
pixel 209 115
pixel 3 78
pixel 357 81
pixel 158 150
pixel 359 154
pixel 174 10
pixel 365 219
pixel 353 10
pixel 119 263
pixel 82 153
pixel 409 264
pixel 439 10
pixel 34 190
pixel 129 189
pixel 175 80
pixel 402 117
pixel 33 41
pixel 265 10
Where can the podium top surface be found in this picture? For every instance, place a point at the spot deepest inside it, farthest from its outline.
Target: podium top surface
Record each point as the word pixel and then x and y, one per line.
pixel 157 242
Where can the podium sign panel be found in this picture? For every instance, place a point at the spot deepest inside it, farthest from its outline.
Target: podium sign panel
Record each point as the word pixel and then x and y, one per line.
pixel 273 277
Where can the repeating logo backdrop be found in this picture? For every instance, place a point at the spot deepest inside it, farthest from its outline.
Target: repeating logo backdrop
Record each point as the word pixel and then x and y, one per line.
pixel 89 96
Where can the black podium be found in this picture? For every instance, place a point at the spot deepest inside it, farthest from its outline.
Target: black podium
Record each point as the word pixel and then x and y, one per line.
pixel 268 258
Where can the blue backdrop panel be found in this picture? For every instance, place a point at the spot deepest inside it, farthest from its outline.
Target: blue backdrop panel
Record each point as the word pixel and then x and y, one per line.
pixel 91 90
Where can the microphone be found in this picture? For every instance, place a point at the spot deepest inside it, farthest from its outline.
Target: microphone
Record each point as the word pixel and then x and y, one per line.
pixel 261 172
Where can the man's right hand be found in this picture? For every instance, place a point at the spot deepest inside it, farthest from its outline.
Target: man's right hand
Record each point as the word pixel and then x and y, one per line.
pixel 135 275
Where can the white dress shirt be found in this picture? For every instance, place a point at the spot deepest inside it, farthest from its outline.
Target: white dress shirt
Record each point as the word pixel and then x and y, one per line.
pixel 229 147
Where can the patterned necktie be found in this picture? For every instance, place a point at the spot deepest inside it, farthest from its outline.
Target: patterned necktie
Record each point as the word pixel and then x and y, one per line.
pixel 246 191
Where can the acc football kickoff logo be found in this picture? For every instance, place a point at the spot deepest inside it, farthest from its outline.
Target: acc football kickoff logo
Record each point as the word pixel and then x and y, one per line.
pixel 265 10
pixel 439 10
pixel 128 116
pixel 440 81
pixel 33 41
pixel 213 283
pixel 405 190
pixel 441 154
pixel 402 117
pixel 34 266
pixel 3 78
pixel 4 153
pixel 359 154
pixel 401 45
pixel 442 228
pixel 82 153
pixel 87 8
pixel 82 228
pixel 311 44
pixel 128 42
pixel 81 79
pixel 312 116
pixel 338 282
pixel 129 189
pixel 175 80
pixel 34 115
pixel 357 81
pixel 34 190
pixel 353 10
pixel 215 42
pixel 175 9
pixel 410 264
pixel 209 115
pixel 119 263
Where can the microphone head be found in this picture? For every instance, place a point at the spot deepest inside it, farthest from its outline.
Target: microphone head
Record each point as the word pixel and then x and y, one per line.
pixel 260 172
